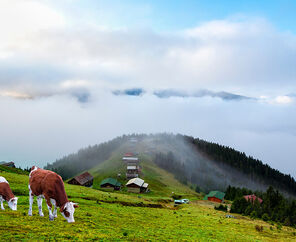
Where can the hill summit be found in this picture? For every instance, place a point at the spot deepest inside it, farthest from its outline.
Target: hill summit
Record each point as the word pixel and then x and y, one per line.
pixel 194 162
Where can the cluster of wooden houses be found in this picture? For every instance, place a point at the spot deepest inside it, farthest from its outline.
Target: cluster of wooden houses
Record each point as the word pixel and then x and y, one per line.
pixel 132 165
pixel 134 183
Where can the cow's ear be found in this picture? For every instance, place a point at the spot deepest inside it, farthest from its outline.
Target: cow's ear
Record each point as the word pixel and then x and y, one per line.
pixel 75 205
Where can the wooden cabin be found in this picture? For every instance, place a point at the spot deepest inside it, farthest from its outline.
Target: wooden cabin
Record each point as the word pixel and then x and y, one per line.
pixel 137 185
pixel 8 164
pixel 128 154
pixel 130 159
pixel 85 179
pixel 132 171
pixel 110 184
pixel 215 196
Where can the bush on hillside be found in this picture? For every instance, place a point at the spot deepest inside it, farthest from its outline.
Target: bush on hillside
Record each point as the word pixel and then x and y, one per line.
pixel 221 208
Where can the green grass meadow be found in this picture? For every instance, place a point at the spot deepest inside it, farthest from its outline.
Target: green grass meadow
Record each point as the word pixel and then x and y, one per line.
pixel 116 216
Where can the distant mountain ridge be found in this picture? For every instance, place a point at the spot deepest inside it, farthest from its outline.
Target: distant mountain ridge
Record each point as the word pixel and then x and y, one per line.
pixel 193 161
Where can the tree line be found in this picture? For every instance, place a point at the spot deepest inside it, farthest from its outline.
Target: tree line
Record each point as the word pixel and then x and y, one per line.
pixel 274 207
pixel 169 162
pixel 85 159
pixel 252 168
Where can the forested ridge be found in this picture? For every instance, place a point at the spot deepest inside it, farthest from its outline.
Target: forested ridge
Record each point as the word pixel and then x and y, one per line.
pixel 251 167
pixel 84 159
pixel 222 156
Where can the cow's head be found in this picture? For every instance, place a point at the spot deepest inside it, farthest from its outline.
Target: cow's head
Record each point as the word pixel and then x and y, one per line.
pixel 12 203
pixel 68 211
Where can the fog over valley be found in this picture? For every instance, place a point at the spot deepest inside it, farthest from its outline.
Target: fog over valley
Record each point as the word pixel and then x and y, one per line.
pixel 75 78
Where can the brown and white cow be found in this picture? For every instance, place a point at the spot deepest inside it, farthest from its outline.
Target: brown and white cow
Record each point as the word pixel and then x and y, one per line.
pixel 7 195
pixel 49 185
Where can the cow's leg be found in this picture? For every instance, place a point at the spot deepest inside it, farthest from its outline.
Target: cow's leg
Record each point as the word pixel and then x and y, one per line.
pixel 39 202
pixel 53 202
pixel 31 200
pixel 1 200
pixel 49 206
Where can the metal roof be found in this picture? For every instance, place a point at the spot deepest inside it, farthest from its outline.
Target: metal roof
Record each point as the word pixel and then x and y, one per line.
pixel 132 167
pixel 145 185
pixel 138 181
pixel 131 158
pixel 84 178
pixel 111 181
pixel 216 194
pixel 128 154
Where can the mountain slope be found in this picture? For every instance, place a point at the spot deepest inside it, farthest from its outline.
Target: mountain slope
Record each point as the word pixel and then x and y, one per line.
pixel 207 165
pixel 161 182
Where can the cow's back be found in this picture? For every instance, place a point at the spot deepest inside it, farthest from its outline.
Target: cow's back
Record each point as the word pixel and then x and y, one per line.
pixel 5 191
pixel 2 179
pixel 49 184
pixel 42 180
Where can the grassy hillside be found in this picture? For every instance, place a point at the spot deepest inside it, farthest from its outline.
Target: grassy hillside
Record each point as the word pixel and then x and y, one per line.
pixel 116 216
pixel 207 165
pixel 161 183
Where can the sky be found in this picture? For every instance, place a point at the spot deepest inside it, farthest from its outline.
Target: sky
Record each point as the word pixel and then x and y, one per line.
pixel 75 73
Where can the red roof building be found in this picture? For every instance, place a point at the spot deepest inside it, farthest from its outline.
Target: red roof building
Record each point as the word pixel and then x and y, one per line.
pixel 252 198
pixel 128 154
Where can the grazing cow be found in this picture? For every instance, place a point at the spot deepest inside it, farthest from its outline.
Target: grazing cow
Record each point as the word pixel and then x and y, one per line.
pixel 49 185
pixel 7 195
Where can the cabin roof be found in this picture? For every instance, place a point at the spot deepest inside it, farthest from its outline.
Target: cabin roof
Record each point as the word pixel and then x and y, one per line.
pixel 137 181
pixel 216 194
pixel 84 178
pixel 132 167
pixel 131 158
pixel 3 163
pixel 128 154
pixel 111 181
pixel 145 185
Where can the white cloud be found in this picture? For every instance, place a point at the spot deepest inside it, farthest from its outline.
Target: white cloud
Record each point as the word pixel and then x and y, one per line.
pixel 20 20
pixel 75 84
pixel 43 55
pixel 283 100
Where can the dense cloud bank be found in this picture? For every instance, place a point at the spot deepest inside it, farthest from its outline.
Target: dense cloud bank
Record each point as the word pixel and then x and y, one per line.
pixel 58 80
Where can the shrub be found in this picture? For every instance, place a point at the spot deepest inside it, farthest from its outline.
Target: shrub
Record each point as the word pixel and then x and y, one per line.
pixel 221 208
pixel 265 217
pixel 254 214
pixel 176 196
pixel 259 228
pixel 287 222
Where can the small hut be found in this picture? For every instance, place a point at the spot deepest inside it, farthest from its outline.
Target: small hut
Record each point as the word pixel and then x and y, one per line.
pixel 128 154
pixel 85 179
pixel 8 164
pixel 110 184
pixel 215 196
pixel 132 171
pixel 130 159
pixel 137 185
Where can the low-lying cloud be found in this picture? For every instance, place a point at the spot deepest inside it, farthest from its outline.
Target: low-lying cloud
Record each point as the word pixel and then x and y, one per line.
pixel 89 83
